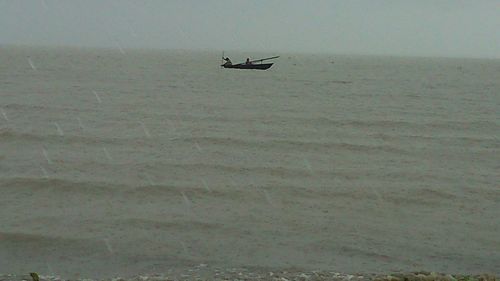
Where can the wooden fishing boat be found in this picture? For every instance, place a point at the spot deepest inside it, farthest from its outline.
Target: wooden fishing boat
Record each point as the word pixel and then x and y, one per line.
pixel 249 64
pixel 260 66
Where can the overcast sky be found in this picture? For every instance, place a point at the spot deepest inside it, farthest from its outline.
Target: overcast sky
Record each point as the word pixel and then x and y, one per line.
pixel 469 28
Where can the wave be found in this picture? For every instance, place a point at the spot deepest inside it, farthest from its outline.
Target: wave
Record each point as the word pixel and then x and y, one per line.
pixel 180 225
pixel 323 122
pixel 352 251
pixel 36 244
pixel 483 141
pixel 423 197
pixel 434 194
pixel 19 237
pixel 291 145
pixel 51 108
pixel 9 134
pixel 56 185
pixel 231 190
pixel 445 125
pixel 178 191
pixel 489 194
pixel 30 107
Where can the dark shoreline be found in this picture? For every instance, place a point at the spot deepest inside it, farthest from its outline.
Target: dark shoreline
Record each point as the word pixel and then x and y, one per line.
pixel 203 272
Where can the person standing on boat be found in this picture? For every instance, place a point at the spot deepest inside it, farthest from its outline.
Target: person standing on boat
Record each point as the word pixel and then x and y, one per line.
pixel 248 61
pixel 228 61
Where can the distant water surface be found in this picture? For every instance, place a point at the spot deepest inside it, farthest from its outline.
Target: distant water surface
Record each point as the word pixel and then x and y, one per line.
pixel 142 162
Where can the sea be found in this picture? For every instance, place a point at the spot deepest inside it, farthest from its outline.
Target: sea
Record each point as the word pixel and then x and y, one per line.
pixel 117 162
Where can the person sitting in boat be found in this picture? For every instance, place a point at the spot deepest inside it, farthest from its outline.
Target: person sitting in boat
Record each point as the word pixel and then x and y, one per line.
pixel 248 61
pixel 228 61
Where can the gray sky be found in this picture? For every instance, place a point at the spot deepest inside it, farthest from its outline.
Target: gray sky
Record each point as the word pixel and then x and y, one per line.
pixel 469 28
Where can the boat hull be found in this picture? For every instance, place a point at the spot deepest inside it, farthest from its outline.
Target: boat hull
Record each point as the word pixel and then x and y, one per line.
pixel 262 66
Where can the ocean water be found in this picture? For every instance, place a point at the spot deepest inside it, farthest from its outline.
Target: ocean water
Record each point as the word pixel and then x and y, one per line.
pixel 143 161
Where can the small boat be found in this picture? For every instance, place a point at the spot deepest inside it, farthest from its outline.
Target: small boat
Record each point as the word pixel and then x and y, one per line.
pixel 249 64
pixel 260 66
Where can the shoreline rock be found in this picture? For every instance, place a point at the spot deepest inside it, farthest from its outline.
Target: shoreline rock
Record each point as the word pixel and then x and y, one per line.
pixel 239 274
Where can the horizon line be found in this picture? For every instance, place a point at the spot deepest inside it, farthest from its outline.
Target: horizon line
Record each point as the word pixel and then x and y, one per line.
pixel 288 52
